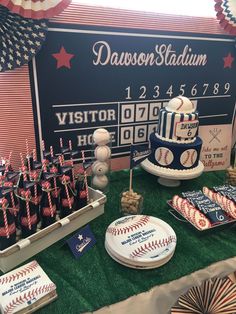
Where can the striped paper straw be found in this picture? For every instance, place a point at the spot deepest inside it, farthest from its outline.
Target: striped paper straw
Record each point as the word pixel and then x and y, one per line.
pixel 44 165
pixel 8 162
pixel 67 192
pixel 27 154
pixel 23 167
pixel 4 206
pixel 51 151
pixel 43 145
pixel 27 195
pixel 47 187
pixel 13 202
pixel 72 163
pixel 34 155
pixel 85 176
pixel 64 180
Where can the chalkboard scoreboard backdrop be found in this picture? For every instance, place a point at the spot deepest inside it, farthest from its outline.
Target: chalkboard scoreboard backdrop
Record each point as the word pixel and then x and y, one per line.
pixel 90 77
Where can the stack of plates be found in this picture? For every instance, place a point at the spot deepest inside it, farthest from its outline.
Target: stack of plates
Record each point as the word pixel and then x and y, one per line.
pixel 141 242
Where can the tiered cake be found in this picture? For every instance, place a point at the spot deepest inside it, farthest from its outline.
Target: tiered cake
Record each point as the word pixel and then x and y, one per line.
pixel 176 147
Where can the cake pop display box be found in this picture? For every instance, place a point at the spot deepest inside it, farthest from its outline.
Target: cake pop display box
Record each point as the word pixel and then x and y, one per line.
pixel 28 247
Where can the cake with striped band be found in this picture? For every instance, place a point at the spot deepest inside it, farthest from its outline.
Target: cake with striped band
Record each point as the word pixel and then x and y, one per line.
pixel 176 145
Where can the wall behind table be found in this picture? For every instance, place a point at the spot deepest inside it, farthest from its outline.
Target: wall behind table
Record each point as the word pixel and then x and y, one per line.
pixel 17 122
pixel 16 114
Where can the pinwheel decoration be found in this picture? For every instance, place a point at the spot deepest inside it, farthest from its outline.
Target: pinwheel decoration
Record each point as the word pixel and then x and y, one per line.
pixel 226 14
pixel 36 9
pixel 214 296
pixel 20 39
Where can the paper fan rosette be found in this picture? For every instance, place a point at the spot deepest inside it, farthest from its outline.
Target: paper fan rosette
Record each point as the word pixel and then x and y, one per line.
pixel 214 296
pixel 20 39
pixel 36 9
pixel 226 14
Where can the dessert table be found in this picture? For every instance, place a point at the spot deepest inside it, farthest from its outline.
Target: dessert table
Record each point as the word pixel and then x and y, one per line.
pixel 97 283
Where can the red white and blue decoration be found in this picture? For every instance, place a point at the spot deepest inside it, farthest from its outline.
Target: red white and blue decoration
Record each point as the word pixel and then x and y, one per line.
pixel 226 14
pixel 36 9
pixel 215 296
pixel 138 153
pixel 20 39
pixel 82 241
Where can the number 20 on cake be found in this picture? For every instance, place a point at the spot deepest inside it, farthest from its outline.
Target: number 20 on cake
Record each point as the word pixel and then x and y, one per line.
pixel 176 147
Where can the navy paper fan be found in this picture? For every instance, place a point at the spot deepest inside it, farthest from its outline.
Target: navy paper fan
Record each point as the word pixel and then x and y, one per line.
pixel 20 39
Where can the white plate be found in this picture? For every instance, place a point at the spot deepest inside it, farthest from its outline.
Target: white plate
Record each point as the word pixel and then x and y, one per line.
pixel 140 240
pixel 135 263
pixel 135 266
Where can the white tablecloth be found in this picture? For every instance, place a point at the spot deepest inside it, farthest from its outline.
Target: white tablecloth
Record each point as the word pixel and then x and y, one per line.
pixel 160 299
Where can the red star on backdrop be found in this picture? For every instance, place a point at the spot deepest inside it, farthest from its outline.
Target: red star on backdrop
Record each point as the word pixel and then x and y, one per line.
pixel 63 58
pixel 228 60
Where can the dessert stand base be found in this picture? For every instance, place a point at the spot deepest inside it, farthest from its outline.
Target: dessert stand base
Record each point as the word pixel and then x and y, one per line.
pixel 168 182
pixel 169 177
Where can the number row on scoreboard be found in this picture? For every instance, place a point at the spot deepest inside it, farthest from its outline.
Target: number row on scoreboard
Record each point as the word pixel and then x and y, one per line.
pixel 136 134
pixel 139 112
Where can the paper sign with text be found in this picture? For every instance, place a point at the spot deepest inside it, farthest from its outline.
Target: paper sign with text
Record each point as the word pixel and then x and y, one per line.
pixel 82 241
pixel 216 146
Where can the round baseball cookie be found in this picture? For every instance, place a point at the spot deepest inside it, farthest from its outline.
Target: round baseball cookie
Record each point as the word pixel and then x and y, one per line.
pixel 102 153
pixel 100 181
pixel 188 158
pixel 143 240
pixel 164 156
pixel 101 136
pixel 100 167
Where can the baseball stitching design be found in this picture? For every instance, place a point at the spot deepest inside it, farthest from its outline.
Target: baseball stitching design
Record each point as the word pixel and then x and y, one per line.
pixel 188 157
pixel 181 104
pixel 191 213
pixel 151 246
pixel 164 156
pixel 118 231
pixel 21 273
pixel 192 155
pixel 27 296
pixel 227 204
pixel 159 156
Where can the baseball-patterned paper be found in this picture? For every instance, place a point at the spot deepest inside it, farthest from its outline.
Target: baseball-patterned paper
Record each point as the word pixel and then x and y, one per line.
pixel 191 213
pixel 23 286
pixel 140 240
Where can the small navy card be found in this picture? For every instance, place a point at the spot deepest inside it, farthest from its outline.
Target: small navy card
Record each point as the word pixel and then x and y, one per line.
pixel 81 242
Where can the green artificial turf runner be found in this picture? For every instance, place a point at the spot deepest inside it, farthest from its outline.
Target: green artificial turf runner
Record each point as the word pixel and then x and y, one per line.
pixel 95 280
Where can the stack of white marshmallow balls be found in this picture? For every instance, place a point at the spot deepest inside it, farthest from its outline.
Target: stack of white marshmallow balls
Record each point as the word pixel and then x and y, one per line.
pixel 102 154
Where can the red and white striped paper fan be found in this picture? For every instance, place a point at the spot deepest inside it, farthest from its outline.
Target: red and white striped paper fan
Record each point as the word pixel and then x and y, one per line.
pixel 226 14
pixel 36 9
